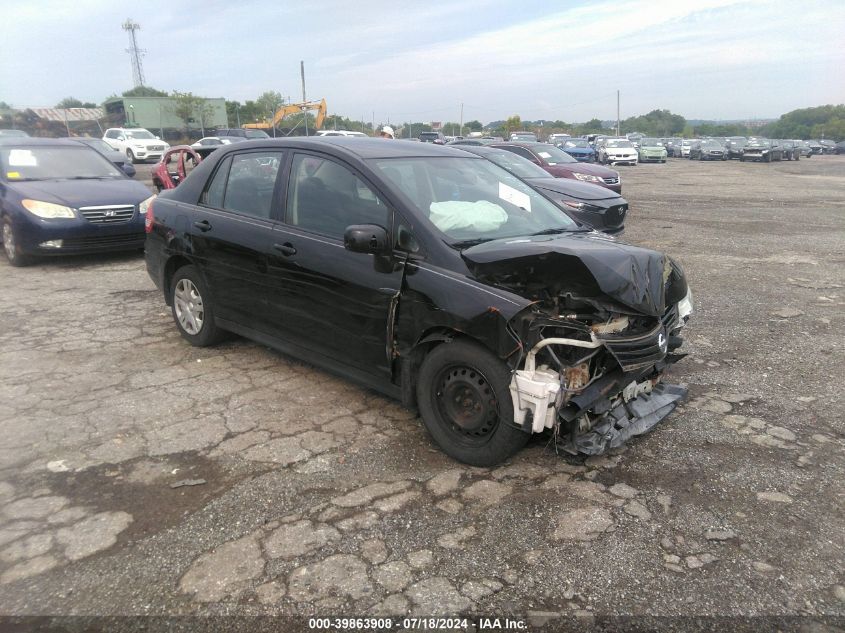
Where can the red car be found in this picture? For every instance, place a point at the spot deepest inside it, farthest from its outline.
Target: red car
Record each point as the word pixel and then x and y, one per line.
pixel 561 165
pixel 174 166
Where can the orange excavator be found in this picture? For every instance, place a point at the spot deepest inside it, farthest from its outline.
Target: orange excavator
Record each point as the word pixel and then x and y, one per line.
pixel 293 108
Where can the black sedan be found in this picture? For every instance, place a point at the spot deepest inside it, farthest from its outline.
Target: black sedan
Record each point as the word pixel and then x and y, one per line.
pixel 595 206
pixel 708 149
pixel 761 149
pixel 431 275
pixel 58 197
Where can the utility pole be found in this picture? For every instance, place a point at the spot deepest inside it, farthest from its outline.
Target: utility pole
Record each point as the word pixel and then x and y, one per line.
pixel 135 52
pixel 617 113
pixel 304 110
pixel 461 133
pixel 374 121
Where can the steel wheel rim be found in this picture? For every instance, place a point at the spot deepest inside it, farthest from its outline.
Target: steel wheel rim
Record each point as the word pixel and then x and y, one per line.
pixel 187 302
pixel 8 241
pixel 467 403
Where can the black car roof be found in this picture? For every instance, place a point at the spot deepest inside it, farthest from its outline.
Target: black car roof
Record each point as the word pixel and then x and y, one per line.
pixel 361 148
pixel 23 141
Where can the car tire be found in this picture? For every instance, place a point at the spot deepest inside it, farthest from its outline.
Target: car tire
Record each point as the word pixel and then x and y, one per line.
pixel 192 308
pixel 464 400
pixel 11 247
pixel 130 156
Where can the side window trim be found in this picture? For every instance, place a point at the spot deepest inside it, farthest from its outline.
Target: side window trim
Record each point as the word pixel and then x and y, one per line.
pixel 203 202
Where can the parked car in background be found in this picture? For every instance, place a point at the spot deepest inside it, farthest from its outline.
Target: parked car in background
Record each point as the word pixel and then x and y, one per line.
pixel 828 146
pixel 593 205
pixel 59 196
pixel 236 134
pixel 136 143
pixel 579 149
pixel 761 149
pixel 613 151
pixel 707 149
pixel 116 157
pixel 686 145
pixel 673 146
pixel 177 162
pixel 527 137
pixel 432 276
pixel 13 134
pixel 341 133
pixel 840 147
pixel 803 148
pixel 734 146
pixel 815 147
pixel 556 139
pixel 561 165
pixel 432 137
pixel 472 141
pixel 635 138
pixel 651 150
pixel 207 141
pixel 790 150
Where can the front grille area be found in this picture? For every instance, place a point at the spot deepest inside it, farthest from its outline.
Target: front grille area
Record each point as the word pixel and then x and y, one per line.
pixel 615 215
pixel 636 352
pixel 611 181
pixel 128 241
pixel 108 214
pixel 155 148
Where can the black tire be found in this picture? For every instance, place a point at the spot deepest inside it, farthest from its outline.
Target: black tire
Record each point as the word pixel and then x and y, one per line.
pixel 478 430
pixel 10 245
pixel 206 333
pixel 130 156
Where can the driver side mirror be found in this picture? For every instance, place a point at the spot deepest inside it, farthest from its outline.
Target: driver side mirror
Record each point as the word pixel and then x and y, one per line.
pixel 366 238
pixel 121 138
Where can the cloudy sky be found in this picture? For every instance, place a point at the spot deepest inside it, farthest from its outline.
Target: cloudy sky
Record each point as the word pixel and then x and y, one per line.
pixel 711 59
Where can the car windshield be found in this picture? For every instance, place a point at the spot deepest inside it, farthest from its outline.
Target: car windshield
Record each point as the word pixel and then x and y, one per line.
pixel 54 163
pixel 470 201
pixel 711 144
pixel 15 133
pixel 515 164
pixel 619 143
pixel 139 134
pixel 552 155
pixel 758 142
pixel 257 134
pixel 650 142
pixel 575 144
pixel 99 144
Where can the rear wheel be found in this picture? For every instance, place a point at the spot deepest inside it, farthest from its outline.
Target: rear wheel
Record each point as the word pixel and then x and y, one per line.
pixel 192 308
pixel 11 246
pixel 464 400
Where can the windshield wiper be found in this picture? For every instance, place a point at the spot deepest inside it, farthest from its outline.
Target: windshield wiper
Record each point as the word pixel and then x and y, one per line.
pixel 555 231
pixel 87 177
pixel 468 243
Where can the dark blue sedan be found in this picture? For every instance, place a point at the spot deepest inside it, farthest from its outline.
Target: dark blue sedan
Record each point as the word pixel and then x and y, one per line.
pixel 579 149
pixel 60 197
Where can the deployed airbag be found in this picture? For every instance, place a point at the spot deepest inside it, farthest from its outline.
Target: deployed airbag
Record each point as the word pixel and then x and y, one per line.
pixel 482 216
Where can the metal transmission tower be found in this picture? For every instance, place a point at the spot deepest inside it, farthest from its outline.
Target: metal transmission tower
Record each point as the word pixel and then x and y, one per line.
pixel 135 52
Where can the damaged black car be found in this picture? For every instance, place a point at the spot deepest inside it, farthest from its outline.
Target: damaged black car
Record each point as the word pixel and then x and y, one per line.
pixel 431 275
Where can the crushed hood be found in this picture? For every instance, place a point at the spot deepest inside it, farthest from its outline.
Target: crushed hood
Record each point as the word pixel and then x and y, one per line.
pixel 586 264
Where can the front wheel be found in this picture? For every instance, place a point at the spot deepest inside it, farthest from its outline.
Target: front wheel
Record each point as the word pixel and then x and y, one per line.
pixel 465 403
pixel 130 156
pixel 11 246
pixel 192 308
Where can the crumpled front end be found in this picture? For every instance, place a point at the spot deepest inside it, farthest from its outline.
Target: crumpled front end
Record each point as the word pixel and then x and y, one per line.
pixel 594 353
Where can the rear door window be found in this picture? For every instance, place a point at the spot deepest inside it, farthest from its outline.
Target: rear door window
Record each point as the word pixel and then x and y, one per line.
pixel 244 183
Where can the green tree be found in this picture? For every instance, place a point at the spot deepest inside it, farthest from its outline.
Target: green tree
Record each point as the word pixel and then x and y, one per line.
pixel 268 102
pixel 71 102
pixel 661 123
pixel 473 126
pixel 144 91
pixel 513 124
pixel 191 109
pixel 826 121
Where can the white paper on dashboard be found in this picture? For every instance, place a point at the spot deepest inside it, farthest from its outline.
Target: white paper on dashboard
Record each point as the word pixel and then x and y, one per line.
pixel 509 194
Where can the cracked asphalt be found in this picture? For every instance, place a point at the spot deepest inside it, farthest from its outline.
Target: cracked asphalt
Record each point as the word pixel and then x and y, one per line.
pixel 298 492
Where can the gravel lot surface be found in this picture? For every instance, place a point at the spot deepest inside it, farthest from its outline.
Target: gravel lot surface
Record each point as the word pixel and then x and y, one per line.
pixel 303 493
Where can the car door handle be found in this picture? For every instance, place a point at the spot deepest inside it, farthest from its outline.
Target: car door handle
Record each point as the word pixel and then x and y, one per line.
pixel 203 225
pixel 285 249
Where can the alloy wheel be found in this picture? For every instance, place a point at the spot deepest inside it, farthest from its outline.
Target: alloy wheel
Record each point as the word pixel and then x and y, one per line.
pixel 189 308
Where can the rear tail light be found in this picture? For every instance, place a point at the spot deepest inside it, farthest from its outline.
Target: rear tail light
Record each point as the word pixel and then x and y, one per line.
pixel 149 219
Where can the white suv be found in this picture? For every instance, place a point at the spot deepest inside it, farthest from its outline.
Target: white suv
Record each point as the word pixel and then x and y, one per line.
pixel 137 143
